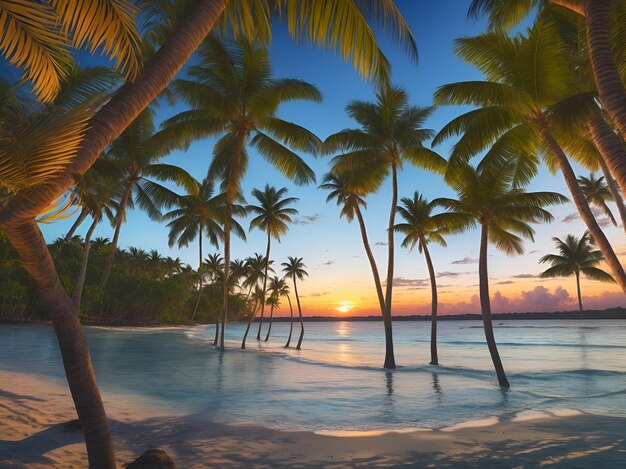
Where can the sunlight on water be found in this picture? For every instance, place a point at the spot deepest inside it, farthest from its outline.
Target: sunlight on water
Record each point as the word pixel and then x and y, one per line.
pixel 336 382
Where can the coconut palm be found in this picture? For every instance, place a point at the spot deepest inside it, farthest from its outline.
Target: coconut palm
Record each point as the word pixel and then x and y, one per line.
pixel 421 227
pixel 136 154
pixel 576 256
pixel 233 95
pixel 278 288
pixel 391 134
pixel 353 38
pixel 214 267
pixel 273 214
pixel 522 101
pixel 489 198
pixel 258 267
pixel 199 214
pixel 295 268
pixel 597 193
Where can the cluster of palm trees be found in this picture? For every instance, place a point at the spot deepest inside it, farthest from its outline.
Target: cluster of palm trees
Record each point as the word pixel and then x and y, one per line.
pixel 553 93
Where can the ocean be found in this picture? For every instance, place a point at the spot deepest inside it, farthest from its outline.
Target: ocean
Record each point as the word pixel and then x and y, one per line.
pixel 336 383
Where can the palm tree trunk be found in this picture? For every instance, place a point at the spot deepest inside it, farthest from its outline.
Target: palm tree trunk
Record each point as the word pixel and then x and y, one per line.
pixel 583 207
pixel 607 77
pixel 195 310
pixel 290 322
pixel 119 220
pixel 80 280
pixel 81 218
pixel 434 359
pixel 580 301
pixel 269 329
pixel 617 196
pixel 611 147
pixel 28 241
pixel 227 233
pixel 267 265
pixel 217 329
pixel 485 306
pixel 295 289
pixel 372 260
pixel 390 360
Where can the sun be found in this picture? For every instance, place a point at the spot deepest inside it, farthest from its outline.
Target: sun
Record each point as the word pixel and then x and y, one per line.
pixel 344 306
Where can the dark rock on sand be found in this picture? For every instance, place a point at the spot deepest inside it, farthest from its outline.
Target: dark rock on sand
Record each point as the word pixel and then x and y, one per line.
pixel 152 459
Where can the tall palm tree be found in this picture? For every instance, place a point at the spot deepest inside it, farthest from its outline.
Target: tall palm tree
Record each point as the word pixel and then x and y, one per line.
pixel 421 227
pixel 356 42
pixel 278 288
pixel 259 267
pixel 521 102
pixel 295 268
pixel 214 268
pixel 489 198
pixel 597 193
pixel 199 214
pixel 576 256
pixel 136 154
pixel 288 296
pixel 391 134
pixel 233 95
pixel 273 214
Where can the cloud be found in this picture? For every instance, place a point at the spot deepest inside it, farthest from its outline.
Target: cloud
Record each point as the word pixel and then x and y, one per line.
pixel 601 218
pixel 465 260
pixel 328 263
pixel 506 282
pixel 308 219
pixel 524 276
pixel 323 293
pixel 571 218
pixel 451 274
pixel 534 252
pixel 380 243
pixel 414 283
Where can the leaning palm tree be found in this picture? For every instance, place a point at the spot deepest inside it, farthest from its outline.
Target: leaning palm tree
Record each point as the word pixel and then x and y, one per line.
pixel 136 154
pixel 349 33
pixel 421 227
pixel 391 134
pixel 213 267
pixel 255 280
pixel 488 197
pixel 576 256
pixel 523 101
pixel 295 268
pixel 278 288
pixel 199 214
pixel 288 296
pixel 233 95
pixel 273 214
pixel 597 193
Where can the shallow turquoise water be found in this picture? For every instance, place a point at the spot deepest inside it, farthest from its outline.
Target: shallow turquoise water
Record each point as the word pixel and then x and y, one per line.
pixel 336 381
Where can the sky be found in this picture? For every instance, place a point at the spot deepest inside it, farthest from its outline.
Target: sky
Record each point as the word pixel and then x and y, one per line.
pixel 340 280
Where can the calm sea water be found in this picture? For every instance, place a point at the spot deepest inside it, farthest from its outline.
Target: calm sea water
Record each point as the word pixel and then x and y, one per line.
pixel 336 381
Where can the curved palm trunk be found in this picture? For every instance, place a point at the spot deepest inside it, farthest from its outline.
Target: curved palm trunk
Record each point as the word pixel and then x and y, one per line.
pixel 28 241
pixel 607 77
pixel 81 218
pixel 434 359
pixel 485 306
pixel 226 270
pixel 290 322
pixel 390 360
pixel 295 288
pixel 269 329
pixel 617 196
pixel 119 220
pixel 611 147
pixel 583 207
pixel 80 280
pixel 580 300
pixel 195 310
pixel 267 265
pixel 372 261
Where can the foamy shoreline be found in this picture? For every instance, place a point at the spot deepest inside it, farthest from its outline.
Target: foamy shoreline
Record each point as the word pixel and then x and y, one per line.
pixel 33 410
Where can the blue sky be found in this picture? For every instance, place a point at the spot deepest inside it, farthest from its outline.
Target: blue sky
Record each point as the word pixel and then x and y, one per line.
pixel 331 247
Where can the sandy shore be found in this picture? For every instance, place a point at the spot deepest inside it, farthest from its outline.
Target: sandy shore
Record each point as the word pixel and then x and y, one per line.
pixel 33 411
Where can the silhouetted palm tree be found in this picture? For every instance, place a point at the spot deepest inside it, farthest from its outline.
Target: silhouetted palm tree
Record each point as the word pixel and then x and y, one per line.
pixel 295 268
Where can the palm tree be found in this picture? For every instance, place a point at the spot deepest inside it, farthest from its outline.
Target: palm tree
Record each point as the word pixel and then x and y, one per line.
pixel 421 227
pixel 278 287
pixel 290 320
pixel 576 256
pixel 199 214
pixel 214 268
pixel 258 268
pixel 488 197
pixel 233 95
pixel 272 216
pixel 295 268
pixel 389 136
pixel 597 193
pixel 522 100
pixel 135 154
pixel 356 42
